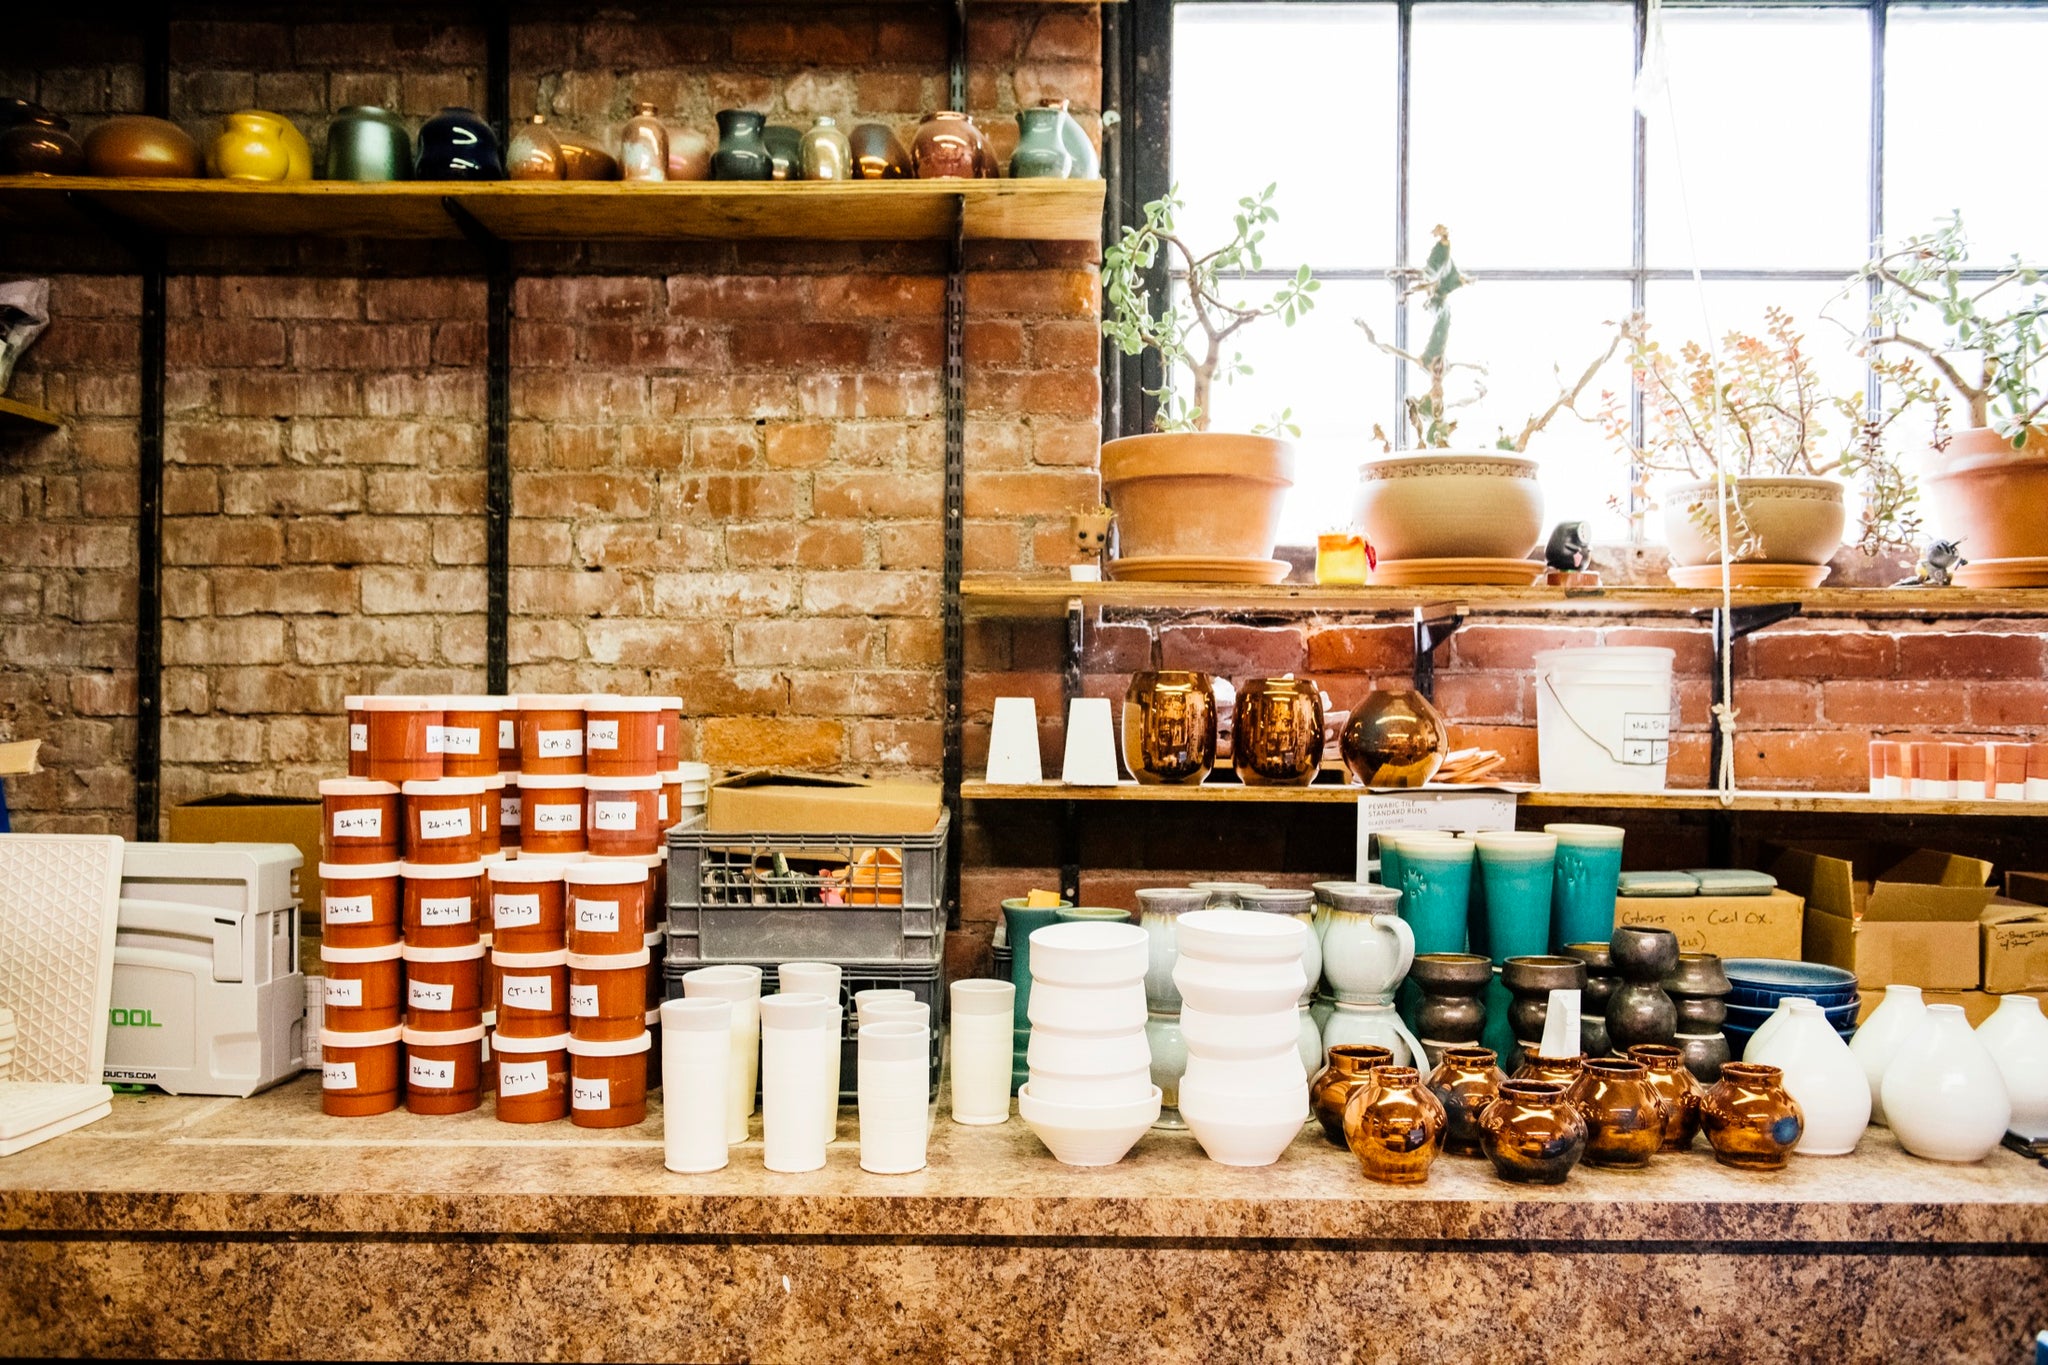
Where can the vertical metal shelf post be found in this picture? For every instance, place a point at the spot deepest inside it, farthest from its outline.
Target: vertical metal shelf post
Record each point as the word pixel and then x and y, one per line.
pixel 953 627
pixel 149 528
pixel 498 383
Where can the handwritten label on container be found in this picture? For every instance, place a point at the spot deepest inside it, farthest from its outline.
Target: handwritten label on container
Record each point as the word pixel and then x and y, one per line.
pixel 430 1075
pixel 359 738
pixel 508 811
pixel 591 1094
pixel 515 911
pixel 583 1001
pixel 446 824
pixel 508 734
pixel 437 739
pixel 345 991
pixel 430 995
pixel 660 736
pixel 528 993
pixel 464 741
pixel 597 917
pixel 564 818
pixel 522 1078
pixel 346 909
pixel 444 909
pixel 661 807
pixel 337 1075
pixel 558 743
pixel 618 815
pixel 367 823
pixel 602 734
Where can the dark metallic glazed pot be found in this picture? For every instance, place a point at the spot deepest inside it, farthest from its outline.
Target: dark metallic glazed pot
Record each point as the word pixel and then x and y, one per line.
pixel 1395 739
pixel 1639 1011
pixel 1277 737
pixel 878 154
pixel 1465 1082
pixel 1169 726
pixel 1600 982
pixel 1452 1011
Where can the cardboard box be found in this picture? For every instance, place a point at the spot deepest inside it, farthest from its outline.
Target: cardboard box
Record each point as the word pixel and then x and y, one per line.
pixel 260 820
pixel 1733 926
pixel 769 801
pixel 2031 887
pixel 1891 915
pixel 1977 1005
pixel 2015 945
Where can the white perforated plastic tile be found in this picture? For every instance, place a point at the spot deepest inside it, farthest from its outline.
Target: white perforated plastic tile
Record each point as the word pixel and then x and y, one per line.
pixel 60 898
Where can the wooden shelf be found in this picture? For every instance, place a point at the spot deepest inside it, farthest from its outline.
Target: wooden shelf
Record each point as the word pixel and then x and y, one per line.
pixel 1807 803
pixel 1007 597
pixel 15 415
pixel 521 211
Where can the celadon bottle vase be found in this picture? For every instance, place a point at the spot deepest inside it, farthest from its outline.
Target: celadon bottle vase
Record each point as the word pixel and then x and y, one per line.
pixel 1087 163
pixel 1879 1038
pixel 1943 1094
pixel 1040 154
pixel 1823 1075
pixel 2016 1035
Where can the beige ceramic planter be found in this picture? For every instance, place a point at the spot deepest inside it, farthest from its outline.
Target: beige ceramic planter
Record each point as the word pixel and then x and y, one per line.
pixel 1796 520
pixel 1990 496
pixel 1449 504
pixel 1202 493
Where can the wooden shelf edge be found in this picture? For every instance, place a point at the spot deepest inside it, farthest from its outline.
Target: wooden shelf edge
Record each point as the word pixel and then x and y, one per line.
pixel 1748 801
pixel 16 413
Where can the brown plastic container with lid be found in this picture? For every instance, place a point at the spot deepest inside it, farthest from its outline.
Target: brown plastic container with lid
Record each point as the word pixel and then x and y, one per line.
pixel 608 1080
pixel 654 1049
pixel 358 1072
pixel 528 906
pixel 550 734
pixel 608 995
pixel 620 736
pixel 359 821
pixel 622 816
pixel 444 904
pixel 668 734
pixel 550 815
pixel 359 904
pixel 533 993
pixel 469 736
pixel 443 1070
pixel 404 735
pixel 358 736
pixel 365 988
pixel 532 1077
pixel 607 906
pixel 444 987
pixel 490 835
pixel 508 811
pixel 441 820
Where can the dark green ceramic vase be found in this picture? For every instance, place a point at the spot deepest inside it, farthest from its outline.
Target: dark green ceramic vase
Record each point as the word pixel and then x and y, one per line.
pixel 741 154
pixel 368 143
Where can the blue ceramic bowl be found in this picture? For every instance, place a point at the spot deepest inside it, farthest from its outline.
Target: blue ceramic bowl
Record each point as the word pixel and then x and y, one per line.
pixel 1767 997
pixel 1781 976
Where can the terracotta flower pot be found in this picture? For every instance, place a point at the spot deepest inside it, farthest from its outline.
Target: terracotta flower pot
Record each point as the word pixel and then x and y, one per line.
pixel 1448 504
pixel 1795 520
pixel 1202 493
pixel 1995 499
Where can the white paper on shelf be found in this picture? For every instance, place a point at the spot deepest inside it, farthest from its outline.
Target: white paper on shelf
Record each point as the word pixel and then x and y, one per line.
pixel 1429 808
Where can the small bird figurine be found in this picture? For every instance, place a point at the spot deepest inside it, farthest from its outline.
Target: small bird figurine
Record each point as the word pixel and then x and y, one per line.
pixel 1936 567
pixel 1571 547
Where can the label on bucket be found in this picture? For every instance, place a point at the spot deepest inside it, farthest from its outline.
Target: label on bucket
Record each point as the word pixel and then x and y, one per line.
pixel 583 1001
pixel 430 995
pixel 597 917
pixel 358 738
pixel 464 741
pixel 366 822
pixel 515 911
pixel 445 824
pixel 528 993
pixel 614 815
pixel 444 910
pixel 430 1075
pixel 522 1078
pixel 348 909
pixel 337 1075
pixel 595 1093
pixel 508 734
pixel 558 743
pixel 1645 725
pixel 345 991
pixel 558 819
pixel 602 734
pixel 1641 752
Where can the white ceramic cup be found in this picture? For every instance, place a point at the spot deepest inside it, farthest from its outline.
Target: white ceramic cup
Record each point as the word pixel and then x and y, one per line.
pixel 742 986
pixel 983 1034
pixel 894 1078
pixel 696 1055
pixel 793 1027
pixel 821 978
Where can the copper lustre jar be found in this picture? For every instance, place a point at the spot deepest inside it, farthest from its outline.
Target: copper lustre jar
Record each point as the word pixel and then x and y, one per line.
pixel 1750 1119
pixel 1350 1067
pixel 1679 1089
pixel 1394 1126
pixel 1465 1082
pixel 1624 1118
pixel 1277 736
pixel 1564 1071
pixel 1169 729
pixel 1532 1134
pixel 1395 738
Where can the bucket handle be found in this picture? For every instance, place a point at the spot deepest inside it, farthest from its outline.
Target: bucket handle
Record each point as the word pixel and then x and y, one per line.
pixel 1566 712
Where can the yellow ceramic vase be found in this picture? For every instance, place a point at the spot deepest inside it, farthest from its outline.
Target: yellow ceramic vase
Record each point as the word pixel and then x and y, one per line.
pixel 255 145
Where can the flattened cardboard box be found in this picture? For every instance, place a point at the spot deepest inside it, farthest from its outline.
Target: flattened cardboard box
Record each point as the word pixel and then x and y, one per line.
pixel 2016 938
pixel 260 820
pixel 1732 926
pixel 1892 915
pixel 773 801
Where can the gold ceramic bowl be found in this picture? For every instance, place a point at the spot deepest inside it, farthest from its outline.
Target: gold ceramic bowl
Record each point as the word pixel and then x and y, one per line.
pixel 1169 730
pixel 1277 736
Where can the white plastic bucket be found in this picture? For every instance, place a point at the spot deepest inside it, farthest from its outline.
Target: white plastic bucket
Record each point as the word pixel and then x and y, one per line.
pixel 1603 718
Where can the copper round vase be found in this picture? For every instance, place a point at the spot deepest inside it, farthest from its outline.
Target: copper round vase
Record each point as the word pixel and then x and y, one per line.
pixel 948 147
pixel 1350 1067
pixel 1564 1071
pixel 1624 1117
pixel 1394 1126
pixel 140 146
pixel 1395 738
pixel 1169 727
pixel 1532 1134
pixel 1277 735
pixel 1750 1119
pixel 1465 1082
pixel 1664 1066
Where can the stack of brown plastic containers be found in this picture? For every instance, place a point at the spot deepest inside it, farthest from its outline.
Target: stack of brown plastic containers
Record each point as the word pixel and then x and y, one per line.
pixel 496 872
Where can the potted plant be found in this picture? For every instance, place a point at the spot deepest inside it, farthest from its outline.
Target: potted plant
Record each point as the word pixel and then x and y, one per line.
pixel 1453 514
pixel 1183 491
pixel 1987 482
pixel 1760 407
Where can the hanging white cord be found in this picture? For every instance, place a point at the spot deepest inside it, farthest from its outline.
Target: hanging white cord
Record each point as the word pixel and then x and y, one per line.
pixel 1652 81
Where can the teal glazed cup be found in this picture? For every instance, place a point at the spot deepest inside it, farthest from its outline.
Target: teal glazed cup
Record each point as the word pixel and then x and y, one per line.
pixel 1390 859
pixel 1436 888
pixel 1018 925
pixel 1106 914
pixel 1588 879
pixel 1516 871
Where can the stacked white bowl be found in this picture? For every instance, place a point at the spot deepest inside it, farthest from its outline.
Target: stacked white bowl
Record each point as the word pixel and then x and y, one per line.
pixel 1090 1095
pixel 1245 1094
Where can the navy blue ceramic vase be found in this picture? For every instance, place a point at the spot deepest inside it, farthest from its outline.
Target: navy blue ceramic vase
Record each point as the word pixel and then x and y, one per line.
pixel 457 145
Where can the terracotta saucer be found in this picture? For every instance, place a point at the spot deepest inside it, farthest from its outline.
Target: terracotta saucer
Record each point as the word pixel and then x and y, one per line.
pixel 2030 571
pixel 1406 573
pixel 1751 575
pixel 1197 569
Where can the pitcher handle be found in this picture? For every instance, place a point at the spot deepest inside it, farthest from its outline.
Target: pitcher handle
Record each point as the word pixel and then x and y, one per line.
pixel 1404 942
pixel 1417 1058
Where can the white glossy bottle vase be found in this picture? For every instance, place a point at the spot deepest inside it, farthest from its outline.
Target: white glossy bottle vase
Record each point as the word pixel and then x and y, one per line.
pixel 1820 1073
pixel 1879 1038
pixel 1943 1095
pixel 2016 1035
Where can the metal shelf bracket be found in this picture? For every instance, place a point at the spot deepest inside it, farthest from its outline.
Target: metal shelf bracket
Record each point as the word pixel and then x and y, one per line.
pixel 1433 626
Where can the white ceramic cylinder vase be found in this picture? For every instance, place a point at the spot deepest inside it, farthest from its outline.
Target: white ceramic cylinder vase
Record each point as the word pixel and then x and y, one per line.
pixel 2016 1035
pixel 981 1032
pixel 793 1028
pixel 893 1080
pixel 1245 1091
pixel 742 986
pixel 822 978
pixel 1943 1095
pixel 878 995
pixel 1090 1094
pixel 1823 1076
pixel 696 1055
pixel 1878 1039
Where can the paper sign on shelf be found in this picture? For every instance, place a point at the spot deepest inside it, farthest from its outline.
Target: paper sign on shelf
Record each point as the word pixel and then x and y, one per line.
pixel 1429 808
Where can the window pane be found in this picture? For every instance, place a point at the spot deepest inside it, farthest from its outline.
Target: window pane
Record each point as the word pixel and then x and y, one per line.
pixel 1961 125
pixel 1298 95
pixel 1522 132
pixel 1772 117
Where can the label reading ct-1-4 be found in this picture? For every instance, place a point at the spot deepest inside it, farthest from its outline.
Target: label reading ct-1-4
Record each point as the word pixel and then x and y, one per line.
pixel 592 1094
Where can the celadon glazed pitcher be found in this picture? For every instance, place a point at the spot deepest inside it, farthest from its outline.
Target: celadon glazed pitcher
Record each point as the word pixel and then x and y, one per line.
pixel 1367 948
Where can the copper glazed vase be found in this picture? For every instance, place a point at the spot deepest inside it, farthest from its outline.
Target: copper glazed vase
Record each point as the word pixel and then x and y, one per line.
pixel 1750 1119
pixel 1169 727
pixel 1394 1126
pixel 1395 739
pixel 1465 1082
pixel 1350 1067
pixel 1532 1134
pixel 1277 737
pixel 1665 1068
pixel 1624 1117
